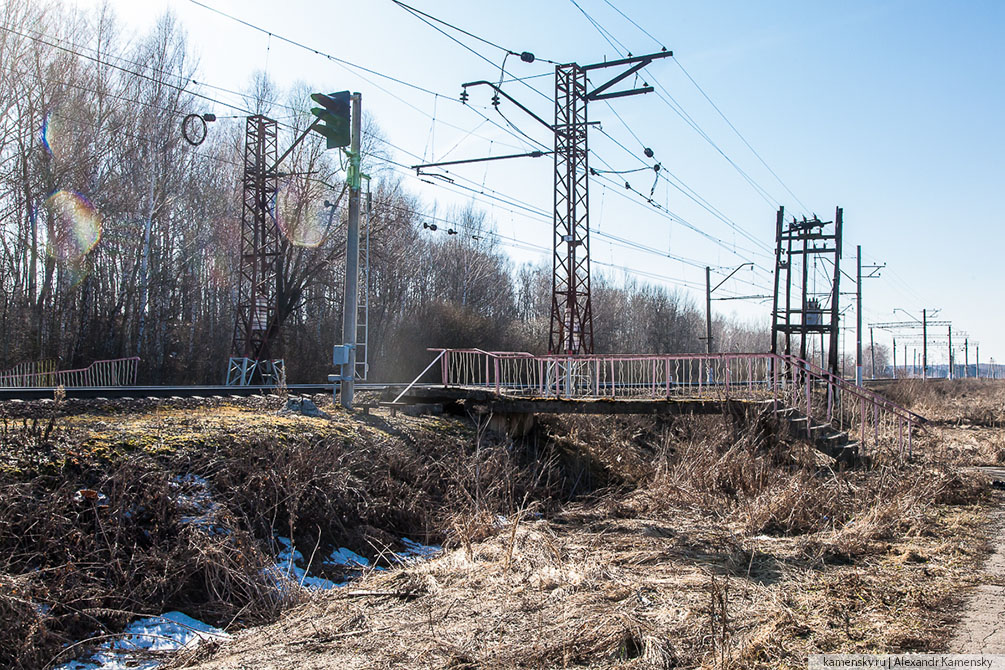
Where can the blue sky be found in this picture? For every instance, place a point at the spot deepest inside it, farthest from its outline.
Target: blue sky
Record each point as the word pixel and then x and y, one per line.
pixel 892 110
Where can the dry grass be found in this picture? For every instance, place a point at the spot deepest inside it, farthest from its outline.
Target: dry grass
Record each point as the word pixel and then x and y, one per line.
pixel 93 507
pixel 978 402
pixel 967 418
pixel 628 542
pixel 727 553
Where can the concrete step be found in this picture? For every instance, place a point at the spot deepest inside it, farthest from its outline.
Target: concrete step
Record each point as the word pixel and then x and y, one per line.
pixel 823 436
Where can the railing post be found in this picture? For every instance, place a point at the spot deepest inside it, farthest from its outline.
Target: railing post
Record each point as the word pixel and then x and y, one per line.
pixel 445 369
pixel 830 401
pixel 774 383
pixel 900 437
pixel 497 375
pixel 861 419
pixel 875 423
pixel 568 377
pixel 806 374
pixel 667 362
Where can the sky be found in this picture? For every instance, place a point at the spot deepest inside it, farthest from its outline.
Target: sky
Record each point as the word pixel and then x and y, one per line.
pixel 891 110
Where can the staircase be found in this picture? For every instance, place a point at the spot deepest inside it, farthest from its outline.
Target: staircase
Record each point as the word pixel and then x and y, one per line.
pixel 824 437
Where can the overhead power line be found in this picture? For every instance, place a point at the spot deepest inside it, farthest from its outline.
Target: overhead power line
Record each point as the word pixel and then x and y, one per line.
pixel 510 52
pixel 724 245
pixel 740 135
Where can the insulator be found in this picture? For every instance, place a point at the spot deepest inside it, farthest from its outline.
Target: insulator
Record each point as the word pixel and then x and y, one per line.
pixel 527 57
pixel 495 100
pixel 464 96
pixel 648 152
pixel 451 231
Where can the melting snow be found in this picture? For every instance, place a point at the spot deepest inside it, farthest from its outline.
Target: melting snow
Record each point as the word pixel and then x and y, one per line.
pixel 168 632
pixel 195 497
pixel 173 631
pixel 343 556
pixel 290 560
pixel 414 551
pixel 286 569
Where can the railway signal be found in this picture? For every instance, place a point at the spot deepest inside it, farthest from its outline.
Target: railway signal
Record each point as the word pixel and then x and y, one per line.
pixel 334 117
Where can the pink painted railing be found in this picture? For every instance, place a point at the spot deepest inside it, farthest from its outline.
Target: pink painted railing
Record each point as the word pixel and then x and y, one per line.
pixel 864 414
pixel 787 380
pixel 114 372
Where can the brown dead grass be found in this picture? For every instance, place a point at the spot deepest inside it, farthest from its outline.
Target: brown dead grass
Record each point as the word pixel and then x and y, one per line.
pixel 603 592
pixel 966 418
pixel 978 402
pixel 728 553
pixel 92 513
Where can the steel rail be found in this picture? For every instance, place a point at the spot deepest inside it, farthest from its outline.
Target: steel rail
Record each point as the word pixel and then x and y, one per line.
pixel 192 391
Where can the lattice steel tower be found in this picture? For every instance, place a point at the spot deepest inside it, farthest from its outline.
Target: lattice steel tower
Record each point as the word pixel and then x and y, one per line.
pixel 257 324
pixel 571 307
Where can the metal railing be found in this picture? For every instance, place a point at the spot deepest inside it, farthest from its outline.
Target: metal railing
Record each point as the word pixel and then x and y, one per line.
pixel 29 370
pixel 827 398
pixel 789 381
pixel 113 372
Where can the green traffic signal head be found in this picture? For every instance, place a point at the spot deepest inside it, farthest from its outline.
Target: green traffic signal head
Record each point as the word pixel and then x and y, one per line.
pixel 334 117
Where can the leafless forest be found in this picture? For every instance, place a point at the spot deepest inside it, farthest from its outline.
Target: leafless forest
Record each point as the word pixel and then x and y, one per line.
pixel 120 238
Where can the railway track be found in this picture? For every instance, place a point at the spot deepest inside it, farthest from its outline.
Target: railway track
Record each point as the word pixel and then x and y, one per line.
pixel 139 392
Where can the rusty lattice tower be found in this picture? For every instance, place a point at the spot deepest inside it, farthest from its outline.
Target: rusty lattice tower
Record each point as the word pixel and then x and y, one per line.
pixel 571 307
pixel 252 355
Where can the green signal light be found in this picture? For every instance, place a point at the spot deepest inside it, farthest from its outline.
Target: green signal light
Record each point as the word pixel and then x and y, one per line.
pixel 334 117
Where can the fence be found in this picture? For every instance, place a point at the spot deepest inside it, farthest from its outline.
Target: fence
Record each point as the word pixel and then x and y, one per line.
pixel 787 380
pixel 28 371
pixel 114 372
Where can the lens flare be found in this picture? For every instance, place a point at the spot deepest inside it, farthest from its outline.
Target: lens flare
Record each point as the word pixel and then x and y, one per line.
pixel 76 270
pixel 300 219
pixel 75 225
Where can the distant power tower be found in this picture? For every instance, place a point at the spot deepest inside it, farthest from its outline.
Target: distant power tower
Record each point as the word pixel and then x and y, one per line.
pixel 807 312
pixel 571 307
pixel 257 320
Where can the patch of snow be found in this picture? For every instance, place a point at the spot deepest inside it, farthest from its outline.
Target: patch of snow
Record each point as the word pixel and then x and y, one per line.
pixel 287 570
pixel 168 632
pixel 343 556
pixel 415 551
pixel 196 498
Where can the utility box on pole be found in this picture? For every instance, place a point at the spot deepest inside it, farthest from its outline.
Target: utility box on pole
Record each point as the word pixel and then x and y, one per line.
pixel 798 243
